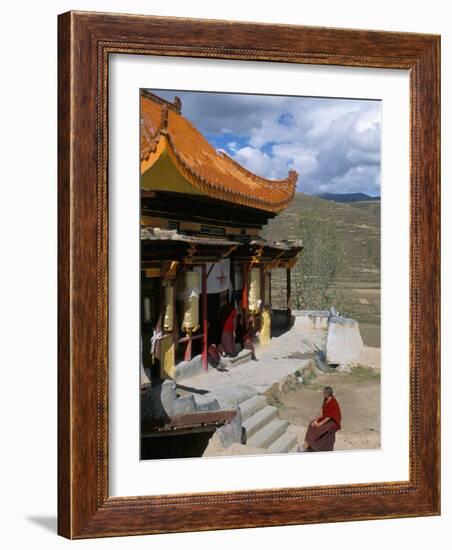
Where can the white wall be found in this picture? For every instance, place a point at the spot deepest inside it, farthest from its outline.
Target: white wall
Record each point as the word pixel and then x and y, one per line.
pixel 28 268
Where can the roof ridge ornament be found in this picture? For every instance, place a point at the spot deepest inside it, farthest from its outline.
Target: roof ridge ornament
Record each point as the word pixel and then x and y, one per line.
pixel 163 129
pixel 292 177
pixel 177 102
pixel 175 105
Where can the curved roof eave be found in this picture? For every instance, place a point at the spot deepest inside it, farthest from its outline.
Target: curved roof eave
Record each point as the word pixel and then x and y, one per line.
pixel 231 182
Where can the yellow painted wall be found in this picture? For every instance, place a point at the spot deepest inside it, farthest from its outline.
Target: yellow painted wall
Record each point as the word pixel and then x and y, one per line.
pixel 167 357
pixel 163 176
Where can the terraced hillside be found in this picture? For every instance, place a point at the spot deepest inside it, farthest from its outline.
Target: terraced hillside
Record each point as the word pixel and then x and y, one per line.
pixel 373 207
pixel 355 287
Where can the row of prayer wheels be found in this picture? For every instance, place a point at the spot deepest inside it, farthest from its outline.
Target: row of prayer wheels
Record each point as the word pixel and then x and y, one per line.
pixel 188 291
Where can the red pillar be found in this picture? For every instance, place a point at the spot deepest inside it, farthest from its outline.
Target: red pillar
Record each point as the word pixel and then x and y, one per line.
pixel 245 291
pixel 204 316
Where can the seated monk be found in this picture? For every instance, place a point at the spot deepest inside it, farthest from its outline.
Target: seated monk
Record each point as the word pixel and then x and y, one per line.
pixel 213 355
pixel 321 433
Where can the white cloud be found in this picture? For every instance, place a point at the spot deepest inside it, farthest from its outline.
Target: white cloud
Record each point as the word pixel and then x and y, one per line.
pixel 297 156
pixel 261 163
pixel 334 144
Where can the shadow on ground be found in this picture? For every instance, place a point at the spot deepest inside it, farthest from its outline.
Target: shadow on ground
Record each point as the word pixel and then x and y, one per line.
pixel 49 523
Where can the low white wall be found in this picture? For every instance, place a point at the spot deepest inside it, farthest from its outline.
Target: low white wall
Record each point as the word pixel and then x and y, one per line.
pixel 311 318
pixel 344 344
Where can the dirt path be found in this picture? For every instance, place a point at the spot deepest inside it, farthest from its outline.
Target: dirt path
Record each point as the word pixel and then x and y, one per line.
pixel 358 394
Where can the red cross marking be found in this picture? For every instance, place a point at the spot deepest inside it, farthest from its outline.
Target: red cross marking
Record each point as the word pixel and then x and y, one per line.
pixel 221 278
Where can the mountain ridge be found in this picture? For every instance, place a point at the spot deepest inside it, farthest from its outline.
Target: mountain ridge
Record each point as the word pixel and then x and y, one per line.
pixel 346 197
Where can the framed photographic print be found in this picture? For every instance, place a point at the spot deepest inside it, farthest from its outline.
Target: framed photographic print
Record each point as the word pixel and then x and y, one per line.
pixel 248 275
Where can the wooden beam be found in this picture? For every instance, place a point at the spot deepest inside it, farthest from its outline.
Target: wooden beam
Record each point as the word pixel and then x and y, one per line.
pixel 187 420
pixel 147 194
pixel 169 269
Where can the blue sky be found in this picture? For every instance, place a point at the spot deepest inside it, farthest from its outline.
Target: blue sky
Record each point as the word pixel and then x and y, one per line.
pixel 333 144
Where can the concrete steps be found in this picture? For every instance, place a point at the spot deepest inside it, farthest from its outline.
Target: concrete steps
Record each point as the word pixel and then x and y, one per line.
pixel 258 420
pixel 230 397
pixel 251 406
pixel 284 444
pixel 268 434
pixel 262 427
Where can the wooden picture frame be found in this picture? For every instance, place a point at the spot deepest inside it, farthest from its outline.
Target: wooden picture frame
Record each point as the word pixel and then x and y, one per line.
pixel 86 40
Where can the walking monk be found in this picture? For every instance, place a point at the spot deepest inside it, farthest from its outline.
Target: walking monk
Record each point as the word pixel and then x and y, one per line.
pixel 321 433
pixel 228 320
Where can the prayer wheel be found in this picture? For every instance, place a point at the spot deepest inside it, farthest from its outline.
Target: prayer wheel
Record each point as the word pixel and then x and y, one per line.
pixel 264 333
pixel 168 307
pixel 189 293
pixel 254 296
pixel 147 309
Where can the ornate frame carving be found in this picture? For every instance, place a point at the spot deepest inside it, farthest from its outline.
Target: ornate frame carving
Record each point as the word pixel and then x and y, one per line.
pixel 85 42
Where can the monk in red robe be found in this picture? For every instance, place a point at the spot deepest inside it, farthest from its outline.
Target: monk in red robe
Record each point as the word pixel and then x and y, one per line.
pixel 321 433
pixel 228 318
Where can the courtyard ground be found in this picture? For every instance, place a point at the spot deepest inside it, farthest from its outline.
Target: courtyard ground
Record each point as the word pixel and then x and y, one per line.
pixel 286 375
pixel 358 394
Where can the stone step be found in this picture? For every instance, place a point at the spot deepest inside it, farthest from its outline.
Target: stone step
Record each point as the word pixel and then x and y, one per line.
pixel 259 420
pixel 251 406
pixel 231 396
pixel 187 369
pixel 269 433
pixel 206 402
pixel 283 444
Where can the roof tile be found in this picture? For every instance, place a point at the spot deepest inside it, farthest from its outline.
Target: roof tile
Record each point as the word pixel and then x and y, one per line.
pixel 211 171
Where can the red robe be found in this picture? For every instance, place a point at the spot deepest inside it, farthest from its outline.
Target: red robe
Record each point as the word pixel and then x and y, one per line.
pixel 332 410
pixel 322 438
pixel 229 322
pixel 227 336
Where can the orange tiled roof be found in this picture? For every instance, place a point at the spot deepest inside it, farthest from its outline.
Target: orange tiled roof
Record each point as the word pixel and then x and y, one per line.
pixel 211 172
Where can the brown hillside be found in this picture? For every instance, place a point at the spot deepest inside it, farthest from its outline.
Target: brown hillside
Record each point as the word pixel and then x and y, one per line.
pixel 358 228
